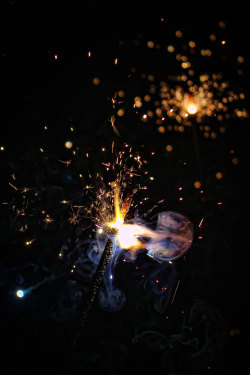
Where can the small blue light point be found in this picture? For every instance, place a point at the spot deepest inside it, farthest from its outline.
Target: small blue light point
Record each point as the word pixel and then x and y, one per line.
pixel 20 293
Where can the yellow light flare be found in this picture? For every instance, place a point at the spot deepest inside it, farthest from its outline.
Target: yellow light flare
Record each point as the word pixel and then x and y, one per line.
pixel 119 218
pixel 189 104
pixel 29 242
pixel 192 109
pixel 126 233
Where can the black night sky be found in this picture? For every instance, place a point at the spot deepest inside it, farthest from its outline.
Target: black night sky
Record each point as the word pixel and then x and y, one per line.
pixel 95 92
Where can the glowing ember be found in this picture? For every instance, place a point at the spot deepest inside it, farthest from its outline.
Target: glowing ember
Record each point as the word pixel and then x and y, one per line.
pixel 127 233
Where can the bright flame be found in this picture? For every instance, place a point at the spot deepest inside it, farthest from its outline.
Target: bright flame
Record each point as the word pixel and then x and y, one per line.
pixel 126 233
pixel 172 237
pixel 127 236
pixel 192 109
pixel 190 105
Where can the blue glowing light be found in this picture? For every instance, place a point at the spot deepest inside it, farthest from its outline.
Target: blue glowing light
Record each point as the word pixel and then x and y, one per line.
pixel 20 293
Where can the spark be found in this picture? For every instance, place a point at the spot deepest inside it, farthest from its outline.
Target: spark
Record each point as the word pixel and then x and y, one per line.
pixel 201 222
pixel 28 243
pixel 112 120
pixel 48 220
pixel 67 162
pixel 13 186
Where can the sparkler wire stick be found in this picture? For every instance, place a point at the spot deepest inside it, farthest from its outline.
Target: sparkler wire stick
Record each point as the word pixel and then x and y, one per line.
pixel 97 278
pixel 105 258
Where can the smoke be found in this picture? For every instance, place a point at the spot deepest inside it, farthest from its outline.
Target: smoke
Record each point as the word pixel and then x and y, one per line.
pixel 175 236
pixel 170 240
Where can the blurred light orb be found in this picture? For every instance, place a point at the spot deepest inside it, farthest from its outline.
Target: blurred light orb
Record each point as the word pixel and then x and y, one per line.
pixel 192 109
pixel 20 293
pixel 68 144
pixel 169 148
pixel 197 184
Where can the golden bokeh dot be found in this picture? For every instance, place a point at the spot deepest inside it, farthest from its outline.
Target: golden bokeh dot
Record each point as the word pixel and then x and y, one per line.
pixel 68 144
pixel 192 44
pixel 137 101
pixel 170 48
pixel 161 129
pixel 96 81
pixel 213 135
pixel 178 33
pixel 197 184
pixel 222 24
pixel 235 161
pixel 151 77
pixel 150 44
pixel 219 175
pixel 120 112
pixel 169 148
pixel 121 93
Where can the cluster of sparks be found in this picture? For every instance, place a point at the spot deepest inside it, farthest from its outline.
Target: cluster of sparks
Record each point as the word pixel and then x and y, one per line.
pixel 168 103
pixel 171 106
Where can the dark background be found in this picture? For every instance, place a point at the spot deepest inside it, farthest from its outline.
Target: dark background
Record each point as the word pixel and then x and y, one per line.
pixel 38 90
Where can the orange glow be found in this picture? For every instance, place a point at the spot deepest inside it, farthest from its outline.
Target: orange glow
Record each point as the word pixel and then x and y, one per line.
pixel 192 109
pixel 127 234
pixel 190 104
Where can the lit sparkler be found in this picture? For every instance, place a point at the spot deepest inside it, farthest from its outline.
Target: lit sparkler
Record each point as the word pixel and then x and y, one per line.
pixel 170 240
pixel 172 227
pixel 166 102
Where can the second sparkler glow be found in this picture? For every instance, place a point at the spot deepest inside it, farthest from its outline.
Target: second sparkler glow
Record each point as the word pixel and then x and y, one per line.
pixel 190 105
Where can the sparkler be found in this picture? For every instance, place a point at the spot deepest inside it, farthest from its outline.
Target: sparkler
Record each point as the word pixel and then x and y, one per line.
pixel 166 103
pixel 179 107
pixel 112 229
pixel 172 237
pixel 172 228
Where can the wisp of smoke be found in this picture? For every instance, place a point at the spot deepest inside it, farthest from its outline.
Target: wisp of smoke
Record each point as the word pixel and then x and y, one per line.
pixel 170 240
